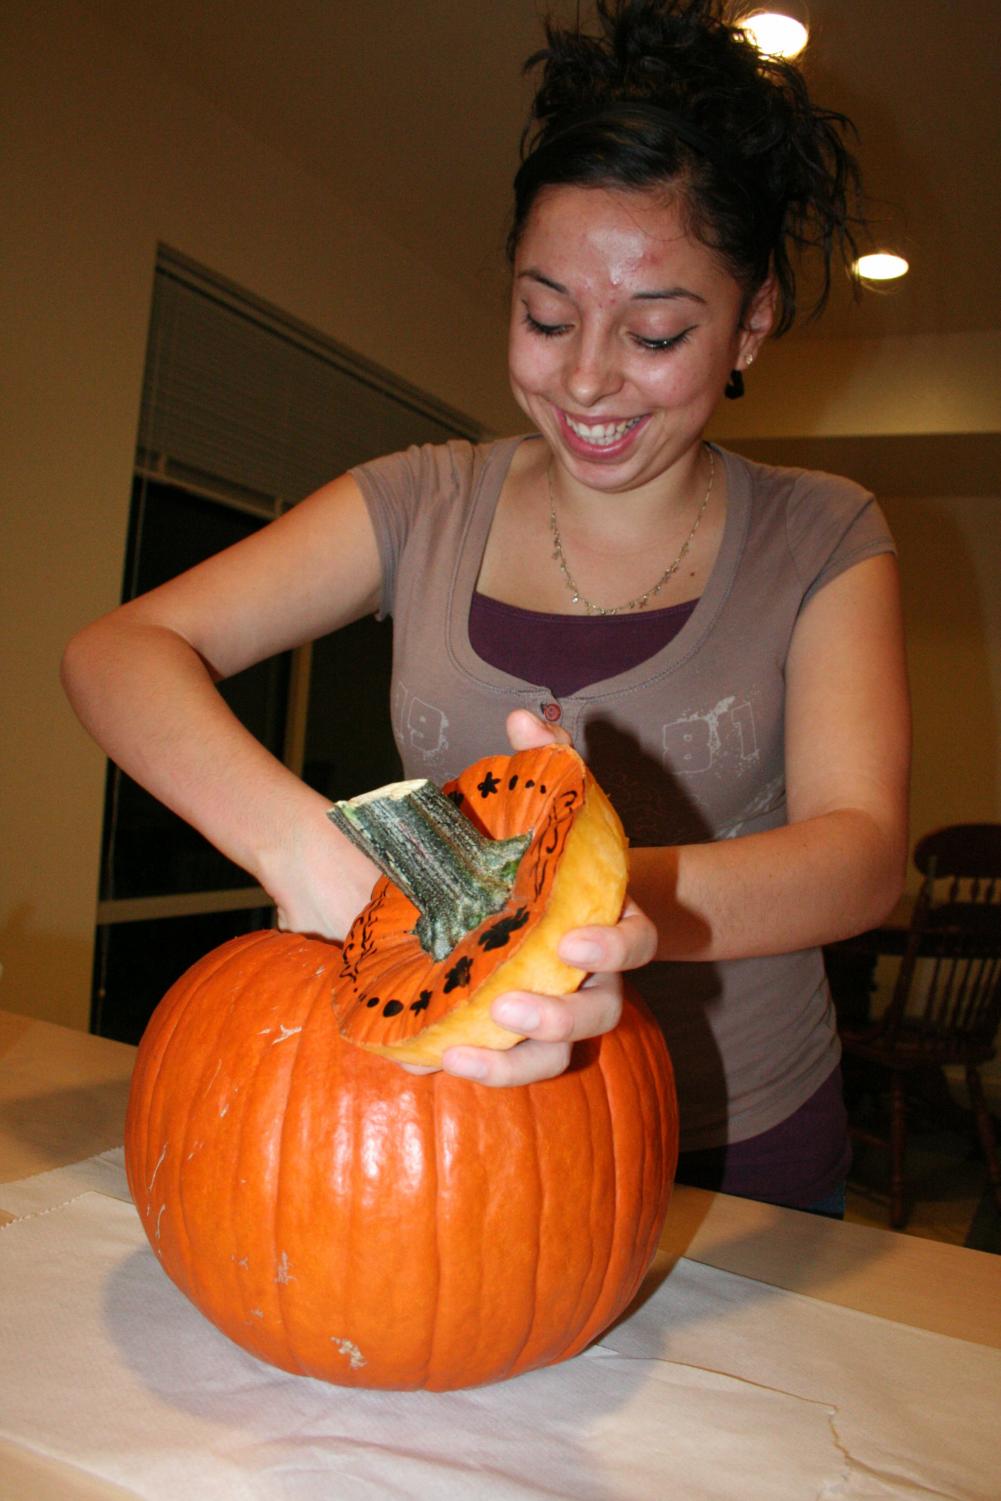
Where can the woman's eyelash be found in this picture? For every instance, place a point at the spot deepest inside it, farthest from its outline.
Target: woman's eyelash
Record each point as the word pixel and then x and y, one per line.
pixel 654 346
pixel 547 330
pixel 657 346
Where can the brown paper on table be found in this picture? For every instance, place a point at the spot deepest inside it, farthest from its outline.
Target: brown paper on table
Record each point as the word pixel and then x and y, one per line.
pixel 717 1387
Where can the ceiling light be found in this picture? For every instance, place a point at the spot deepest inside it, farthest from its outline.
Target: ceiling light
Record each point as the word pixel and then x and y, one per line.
pixel 881 265
pixel 779 30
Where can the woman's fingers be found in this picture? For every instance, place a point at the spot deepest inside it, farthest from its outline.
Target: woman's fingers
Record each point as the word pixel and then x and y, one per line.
pixel 632 942
pixel 528 1063
pixel 527 732
pixel 550 1026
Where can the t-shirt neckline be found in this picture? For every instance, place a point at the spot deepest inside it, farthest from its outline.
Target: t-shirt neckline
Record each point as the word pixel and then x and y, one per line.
pixel 488 481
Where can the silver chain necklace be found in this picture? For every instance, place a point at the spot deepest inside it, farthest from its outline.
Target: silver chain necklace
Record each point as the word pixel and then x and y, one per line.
pixel 559 555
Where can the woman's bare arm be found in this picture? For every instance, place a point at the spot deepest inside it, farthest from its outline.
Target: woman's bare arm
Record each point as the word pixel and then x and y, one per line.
pixel 142 680
pixel 837 867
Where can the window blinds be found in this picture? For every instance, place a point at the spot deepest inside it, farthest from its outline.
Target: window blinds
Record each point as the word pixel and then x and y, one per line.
pixel 238 393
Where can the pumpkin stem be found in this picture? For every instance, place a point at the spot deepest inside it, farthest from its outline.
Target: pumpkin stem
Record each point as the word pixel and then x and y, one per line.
pixel 455 876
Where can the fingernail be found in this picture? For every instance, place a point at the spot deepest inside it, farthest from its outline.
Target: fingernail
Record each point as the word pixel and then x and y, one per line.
pixel 520 1016
pixel 582 951
pixel 463 1065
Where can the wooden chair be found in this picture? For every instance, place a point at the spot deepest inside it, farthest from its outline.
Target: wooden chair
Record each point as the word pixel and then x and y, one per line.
pixel 946 1004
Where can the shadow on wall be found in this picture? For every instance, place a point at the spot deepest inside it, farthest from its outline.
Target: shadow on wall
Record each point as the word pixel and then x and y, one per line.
pixel 27 950
pixel 950 561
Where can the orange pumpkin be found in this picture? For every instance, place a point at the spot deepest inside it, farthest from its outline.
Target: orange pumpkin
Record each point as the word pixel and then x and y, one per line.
pixel 487 876
pixel 342 1218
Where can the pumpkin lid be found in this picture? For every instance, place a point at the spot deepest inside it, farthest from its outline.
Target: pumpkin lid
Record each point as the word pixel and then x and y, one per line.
pixel 526 845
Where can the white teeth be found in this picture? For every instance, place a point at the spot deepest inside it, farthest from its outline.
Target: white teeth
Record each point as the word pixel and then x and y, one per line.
pixel 601 434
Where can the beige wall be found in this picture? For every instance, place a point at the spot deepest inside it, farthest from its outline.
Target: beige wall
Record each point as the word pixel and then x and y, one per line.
pixel 950 558
pixel 103 159
pixel 106 157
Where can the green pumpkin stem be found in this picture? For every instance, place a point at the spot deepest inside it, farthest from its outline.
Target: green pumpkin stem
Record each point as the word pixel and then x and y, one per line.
pixel 455 876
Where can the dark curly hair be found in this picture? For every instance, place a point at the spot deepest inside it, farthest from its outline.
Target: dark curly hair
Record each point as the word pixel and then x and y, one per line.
pixel 673 93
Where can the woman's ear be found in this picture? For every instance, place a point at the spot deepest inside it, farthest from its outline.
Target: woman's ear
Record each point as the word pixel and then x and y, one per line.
pixel 757 322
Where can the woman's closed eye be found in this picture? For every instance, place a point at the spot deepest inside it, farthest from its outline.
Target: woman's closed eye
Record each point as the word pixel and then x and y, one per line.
pixel 642 341
pixel 545 330
pixel 658 346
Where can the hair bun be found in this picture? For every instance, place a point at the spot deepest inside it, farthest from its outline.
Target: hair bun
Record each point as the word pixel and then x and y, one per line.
pixel 674 91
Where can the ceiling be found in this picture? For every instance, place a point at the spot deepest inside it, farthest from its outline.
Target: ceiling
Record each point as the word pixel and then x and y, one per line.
pixel 411 109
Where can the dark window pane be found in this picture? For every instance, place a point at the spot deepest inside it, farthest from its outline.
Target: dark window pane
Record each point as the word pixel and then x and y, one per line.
pixel 136 963
pixel 349 739
pixel 148 851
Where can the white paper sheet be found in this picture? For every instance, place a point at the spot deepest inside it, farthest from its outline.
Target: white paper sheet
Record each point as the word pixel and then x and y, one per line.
pixel 103 1174
pixel 717 1388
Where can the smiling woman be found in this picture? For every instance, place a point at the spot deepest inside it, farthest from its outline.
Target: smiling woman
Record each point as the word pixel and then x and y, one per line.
pixel 720 640
pixel 624 330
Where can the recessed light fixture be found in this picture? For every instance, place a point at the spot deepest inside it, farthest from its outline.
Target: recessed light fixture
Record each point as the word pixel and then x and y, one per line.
pixel 779 30
pixel 881 265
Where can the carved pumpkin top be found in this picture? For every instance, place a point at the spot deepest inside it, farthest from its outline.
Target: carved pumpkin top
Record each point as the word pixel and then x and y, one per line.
pixel 393 996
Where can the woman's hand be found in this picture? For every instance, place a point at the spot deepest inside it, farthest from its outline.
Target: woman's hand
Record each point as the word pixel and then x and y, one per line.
pixel 552 1024
pixel 318 880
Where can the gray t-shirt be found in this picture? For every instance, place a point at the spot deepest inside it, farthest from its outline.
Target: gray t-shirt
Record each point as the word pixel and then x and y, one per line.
pixel 688 745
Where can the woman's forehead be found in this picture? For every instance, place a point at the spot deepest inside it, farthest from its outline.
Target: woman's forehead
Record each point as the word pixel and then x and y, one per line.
pixel 636 240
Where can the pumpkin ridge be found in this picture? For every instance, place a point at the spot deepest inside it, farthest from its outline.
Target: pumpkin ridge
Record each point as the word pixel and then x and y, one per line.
pixel 197 1013
pixel 225 1272
pixel 538 1220
pixel 191 1014
pixel 434 1337
pixel 616 1292
pixel 596 1218
pixel 236 1131
pixel 158 1036
pixel 284 1299
pixel 600 1228
pixel 645 1168
pixel 539 1248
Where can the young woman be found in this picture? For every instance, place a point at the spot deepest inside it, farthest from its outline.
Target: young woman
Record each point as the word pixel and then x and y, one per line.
pixel 720 639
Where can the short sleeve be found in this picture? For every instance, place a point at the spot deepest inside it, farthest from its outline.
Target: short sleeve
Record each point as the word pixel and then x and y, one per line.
pixel 395 488
pixel 832 523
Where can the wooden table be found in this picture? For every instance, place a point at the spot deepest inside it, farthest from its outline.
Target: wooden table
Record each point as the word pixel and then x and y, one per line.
pixel 63 1097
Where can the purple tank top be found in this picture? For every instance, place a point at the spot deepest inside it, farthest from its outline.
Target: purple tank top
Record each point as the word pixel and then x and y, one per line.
pixel 566 653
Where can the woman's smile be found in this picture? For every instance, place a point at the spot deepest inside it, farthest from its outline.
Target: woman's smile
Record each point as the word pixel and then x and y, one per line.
pixel 607 439
pixel 624 330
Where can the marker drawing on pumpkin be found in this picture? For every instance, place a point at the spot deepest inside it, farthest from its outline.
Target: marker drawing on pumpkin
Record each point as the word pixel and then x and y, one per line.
pixel 500 933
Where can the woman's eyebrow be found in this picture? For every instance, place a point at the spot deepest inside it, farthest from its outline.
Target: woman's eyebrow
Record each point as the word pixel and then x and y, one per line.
pixel 665 294
pixel 669 294
pixel 546 281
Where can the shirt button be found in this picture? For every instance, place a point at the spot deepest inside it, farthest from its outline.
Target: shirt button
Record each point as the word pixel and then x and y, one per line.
pixel 552 712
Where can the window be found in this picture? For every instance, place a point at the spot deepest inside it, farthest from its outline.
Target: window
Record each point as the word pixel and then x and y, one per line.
pixel 244 412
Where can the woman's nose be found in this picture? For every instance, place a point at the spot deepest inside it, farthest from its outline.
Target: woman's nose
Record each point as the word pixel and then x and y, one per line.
pixel 592 372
